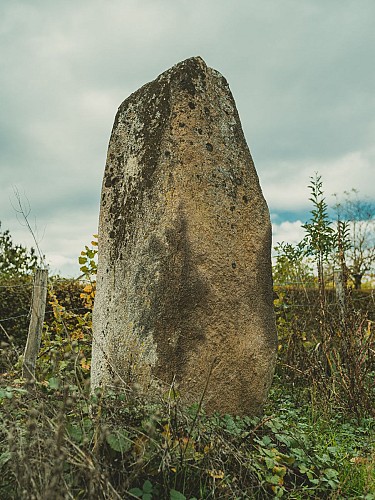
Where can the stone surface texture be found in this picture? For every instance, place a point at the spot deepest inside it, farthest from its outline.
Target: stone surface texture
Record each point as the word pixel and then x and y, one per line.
pixel 184 285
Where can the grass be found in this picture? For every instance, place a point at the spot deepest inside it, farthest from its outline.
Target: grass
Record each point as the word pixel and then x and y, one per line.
pixel 315 438
pixel 58 442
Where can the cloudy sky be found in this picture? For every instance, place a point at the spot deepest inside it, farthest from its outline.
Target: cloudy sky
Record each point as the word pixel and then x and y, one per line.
pixel 302 73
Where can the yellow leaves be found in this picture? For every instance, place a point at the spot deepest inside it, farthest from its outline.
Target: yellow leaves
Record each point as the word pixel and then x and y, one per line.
pixel 166 432
pixel 57 309
pixel 207 448
pixel 77 335
pixel 216 474
pixel 359 460
pixel 88 291
pixel 189 448
pixel 279 470
pixel 85 364
pixel 139 446
pixel 88 295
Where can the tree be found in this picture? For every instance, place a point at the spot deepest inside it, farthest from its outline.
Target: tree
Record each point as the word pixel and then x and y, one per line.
pixel 320 239
pixel 291 267
pixel 360 216
pixel 15 260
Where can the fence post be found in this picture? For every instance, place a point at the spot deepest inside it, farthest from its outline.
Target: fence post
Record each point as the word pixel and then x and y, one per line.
pixel 34 336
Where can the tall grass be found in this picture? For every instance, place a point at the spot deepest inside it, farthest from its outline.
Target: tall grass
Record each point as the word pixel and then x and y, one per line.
pixel 58 441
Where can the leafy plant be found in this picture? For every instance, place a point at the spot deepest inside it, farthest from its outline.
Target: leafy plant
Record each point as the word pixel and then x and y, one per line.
pixel 15 259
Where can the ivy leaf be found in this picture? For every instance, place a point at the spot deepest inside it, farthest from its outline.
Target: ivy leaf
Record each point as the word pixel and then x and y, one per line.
pixel 53 383
pixel 119 441
pixel 5 393
pixel 147 486
pixel 176 495
pixel 75 432
pixel 136 492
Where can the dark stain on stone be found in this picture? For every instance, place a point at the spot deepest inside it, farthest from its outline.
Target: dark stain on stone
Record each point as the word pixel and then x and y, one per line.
pixel 191 73
pixel 206 110
pixel 209 147
pixel 245 199
pixel 191 105
pixel 127 200
pixel 175 298
pixel 188 85
pixel 200 131
pixel 181 124
pixel 108 182
pixel 167 154
pixel 232 207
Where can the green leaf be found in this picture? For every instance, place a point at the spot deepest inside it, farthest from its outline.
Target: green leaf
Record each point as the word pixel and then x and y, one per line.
pixel 331 473
pixel 147 496
pixel 332 484
pixel 75 432
pixel 136 492
pixel 119 441
pixel 266 440
pixel 7 393
pixel 147 486
pixel 176 495
pixel 53 383
pixel 82 260
pixel 5 457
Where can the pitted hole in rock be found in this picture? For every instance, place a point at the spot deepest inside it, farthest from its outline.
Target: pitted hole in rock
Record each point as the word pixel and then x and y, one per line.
pixel 234 265
pixel 209 147
pixel 245 199
pixel 191 105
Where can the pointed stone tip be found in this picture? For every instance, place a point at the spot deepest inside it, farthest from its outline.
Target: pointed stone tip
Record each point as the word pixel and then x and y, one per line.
pixel 195 61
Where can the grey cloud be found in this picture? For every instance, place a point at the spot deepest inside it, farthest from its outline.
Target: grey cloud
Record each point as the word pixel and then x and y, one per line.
pixel 301 73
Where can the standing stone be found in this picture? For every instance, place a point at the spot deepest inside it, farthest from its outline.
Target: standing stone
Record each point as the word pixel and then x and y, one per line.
pixel 184 286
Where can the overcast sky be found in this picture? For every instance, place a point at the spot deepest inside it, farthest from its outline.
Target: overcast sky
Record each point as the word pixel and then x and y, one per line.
pixel 302 73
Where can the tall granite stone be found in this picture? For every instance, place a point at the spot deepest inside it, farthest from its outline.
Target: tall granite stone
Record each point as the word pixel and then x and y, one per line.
pixel 184 286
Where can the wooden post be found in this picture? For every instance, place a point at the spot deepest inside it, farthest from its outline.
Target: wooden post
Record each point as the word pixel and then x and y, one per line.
pixel 36 323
